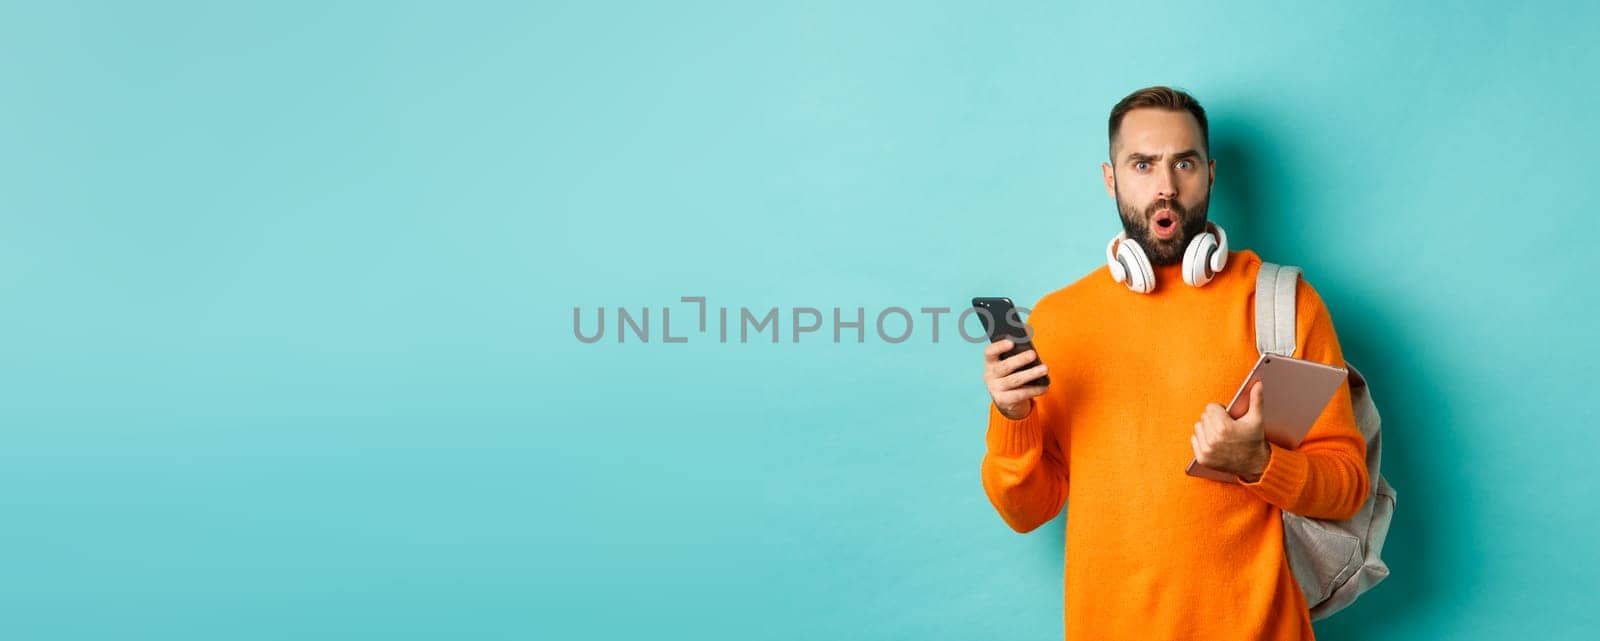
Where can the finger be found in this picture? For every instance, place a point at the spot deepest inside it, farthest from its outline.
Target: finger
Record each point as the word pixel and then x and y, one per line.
pixel 1011 365
pixel 994 350
pixel 1021 378
pixel 1020 394
pixel 1220 416
pixel 1194 444
pixel 1255 398
pixel 991 359
pixel 1014 363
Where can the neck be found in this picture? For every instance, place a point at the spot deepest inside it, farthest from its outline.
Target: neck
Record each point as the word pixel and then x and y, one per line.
pixel 1169 273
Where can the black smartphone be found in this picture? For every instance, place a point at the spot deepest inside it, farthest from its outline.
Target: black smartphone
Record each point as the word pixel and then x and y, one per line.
pixel 1001 321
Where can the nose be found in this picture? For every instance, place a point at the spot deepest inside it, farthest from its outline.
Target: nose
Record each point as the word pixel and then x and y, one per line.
pixel 1166 184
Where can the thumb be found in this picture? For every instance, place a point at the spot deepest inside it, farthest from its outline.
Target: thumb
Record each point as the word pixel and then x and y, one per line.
pixel 1255 400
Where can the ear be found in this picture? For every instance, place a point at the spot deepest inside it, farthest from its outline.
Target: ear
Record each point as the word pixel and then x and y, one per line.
pixel 1213 163
pixel 1111 179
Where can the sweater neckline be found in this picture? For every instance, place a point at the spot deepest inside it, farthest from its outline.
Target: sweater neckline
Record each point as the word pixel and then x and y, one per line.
pixel 1167 275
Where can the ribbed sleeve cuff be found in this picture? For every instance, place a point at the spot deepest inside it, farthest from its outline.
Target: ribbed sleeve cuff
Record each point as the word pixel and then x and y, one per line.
pixel 1283 480
pixel 1012 438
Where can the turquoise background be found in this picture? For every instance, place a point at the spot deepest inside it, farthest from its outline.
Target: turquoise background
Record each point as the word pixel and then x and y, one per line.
pixel 289 287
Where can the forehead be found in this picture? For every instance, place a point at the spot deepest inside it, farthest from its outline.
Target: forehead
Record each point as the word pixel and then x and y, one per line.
pixel 1152 131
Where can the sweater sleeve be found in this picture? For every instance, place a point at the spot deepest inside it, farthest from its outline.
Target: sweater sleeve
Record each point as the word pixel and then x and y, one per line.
pixel 1024 472
pixel 1326 477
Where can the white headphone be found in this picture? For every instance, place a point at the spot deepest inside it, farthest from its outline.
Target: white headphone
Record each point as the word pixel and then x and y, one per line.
pixel 1207 254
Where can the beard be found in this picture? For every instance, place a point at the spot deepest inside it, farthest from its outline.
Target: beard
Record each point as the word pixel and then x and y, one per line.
pixel 1190 223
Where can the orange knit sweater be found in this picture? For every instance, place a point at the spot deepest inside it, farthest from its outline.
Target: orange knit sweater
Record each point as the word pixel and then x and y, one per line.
pixel 1152 553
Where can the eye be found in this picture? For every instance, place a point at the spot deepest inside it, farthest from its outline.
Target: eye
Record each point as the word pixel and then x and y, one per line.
pixel 1141 165
pixel 1184 164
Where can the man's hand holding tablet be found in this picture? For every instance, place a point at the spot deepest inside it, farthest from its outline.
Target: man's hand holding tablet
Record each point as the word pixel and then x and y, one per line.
pixel 1284 398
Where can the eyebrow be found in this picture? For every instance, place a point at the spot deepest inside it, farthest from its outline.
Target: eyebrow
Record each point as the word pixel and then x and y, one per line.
pixel 1187 153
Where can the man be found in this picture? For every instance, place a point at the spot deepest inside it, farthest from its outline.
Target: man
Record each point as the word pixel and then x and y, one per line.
pixel 1136 381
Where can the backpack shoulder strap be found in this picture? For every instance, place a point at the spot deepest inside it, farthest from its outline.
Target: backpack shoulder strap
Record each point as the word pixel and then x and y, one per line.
pixel 1275 305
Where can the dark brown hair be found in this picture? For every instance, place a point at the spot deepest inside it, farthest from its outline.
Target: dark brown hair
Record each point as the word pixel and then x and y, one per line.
pixel 1159 98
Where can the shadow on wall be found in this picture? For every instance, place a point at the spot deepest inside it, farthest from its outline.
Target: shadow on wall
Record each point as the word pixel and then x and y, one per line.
pixel 1253 199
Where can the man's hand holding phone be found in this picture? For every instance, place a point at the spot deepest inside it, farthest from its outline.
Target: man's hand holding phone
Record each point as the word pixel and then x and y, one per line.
pixel 1011 381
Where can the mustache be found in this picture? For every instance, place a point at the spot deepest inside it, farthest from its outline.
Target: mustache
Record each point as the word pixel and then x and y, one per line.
pixel 1177 208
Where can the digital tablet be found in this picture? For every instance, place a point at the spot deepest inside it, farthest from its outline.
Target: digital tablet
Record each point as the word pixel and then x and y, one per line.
pixel 1295 393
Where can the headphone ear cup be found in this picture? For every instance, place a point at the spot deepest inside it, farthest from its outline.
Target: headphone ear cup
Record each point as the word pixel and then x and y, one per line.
pixel 1129 274
pixel 1119 271
pixel 1141 277
pixel 1195 260
pixel 1220 258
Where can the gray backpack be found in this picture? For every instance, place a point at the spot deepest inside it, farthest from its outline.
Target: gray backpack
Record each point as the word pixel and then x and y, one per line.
pixel 1333 561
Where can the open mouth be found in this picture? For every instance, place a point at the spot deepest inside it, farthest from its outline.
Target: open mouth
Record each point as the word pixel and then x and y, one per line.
pixel 1166 224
